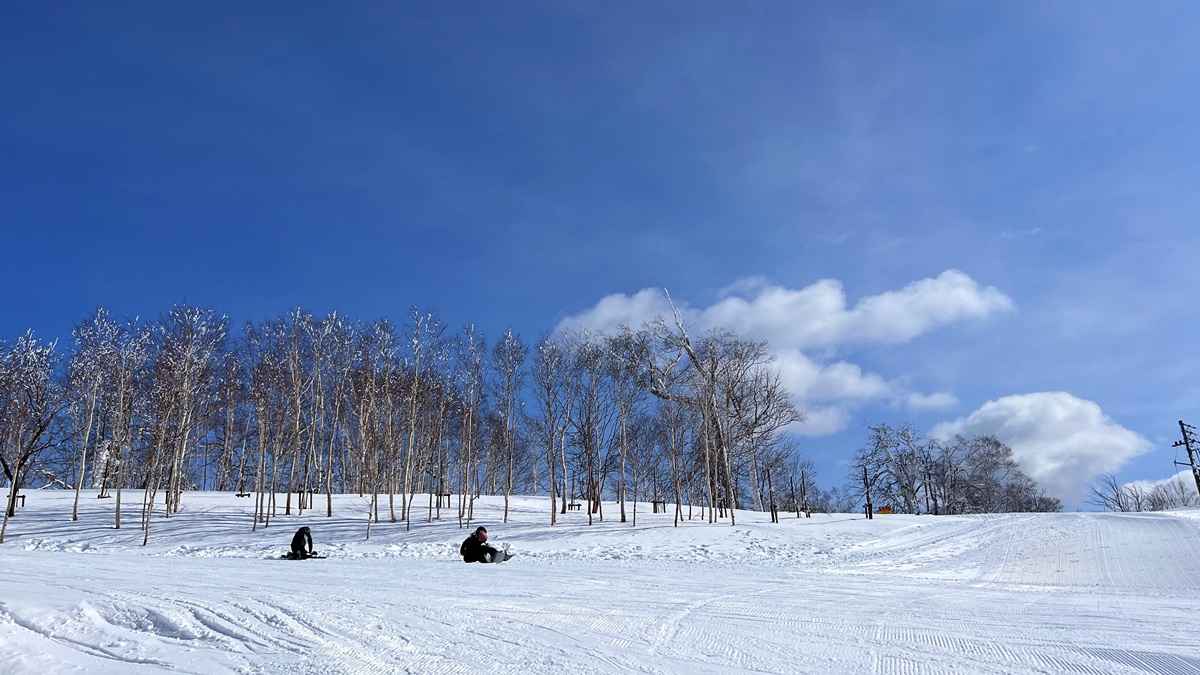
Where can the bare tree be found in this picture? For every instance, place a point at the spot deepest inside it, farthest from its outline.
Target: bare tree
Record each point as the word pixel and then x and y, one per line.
pixel 31 399
pixel 676 424
pixel 424 336
pixel 625 360
pixel 964 475
pixel 551 392
pixel 95 347
pixel 185 369
pixel 471 348
pixel 1108 493
pixel 592 417
pixel 803 491
pixel 508 363
pixel 126 401
pixel 333 343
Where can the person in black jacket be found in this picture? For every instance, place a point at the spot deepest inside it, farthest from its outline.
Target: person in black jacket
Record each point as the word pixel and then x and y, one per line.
pixel 302 546
pixel 476 549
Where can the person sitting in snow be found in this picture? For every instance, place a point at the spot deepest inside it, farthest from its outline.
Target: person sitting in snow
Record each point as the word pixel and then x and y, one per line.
pixel 302 546
pixel 475 548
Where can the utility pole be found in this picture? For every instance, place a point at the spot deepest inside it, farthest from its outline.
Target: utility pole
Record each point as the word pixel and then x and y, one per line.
pixel 1192 447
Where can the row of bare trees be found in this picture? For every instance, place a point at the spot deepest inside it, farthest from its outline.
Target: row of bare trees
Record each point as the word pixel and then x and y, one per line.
pixel 298 406
pixel 901 468
pixel 1109 493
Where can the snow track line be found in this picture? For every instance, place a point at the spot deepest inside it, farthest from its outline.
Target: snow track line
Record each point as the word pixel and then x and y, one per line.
pixel 222 623
pixel 77 644
pixel 671 627
pixel 1151 662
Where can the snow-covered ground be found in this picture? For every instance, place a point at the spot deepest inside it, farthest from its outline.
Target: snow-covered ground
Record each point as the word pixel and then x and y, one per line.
pixel 1050 593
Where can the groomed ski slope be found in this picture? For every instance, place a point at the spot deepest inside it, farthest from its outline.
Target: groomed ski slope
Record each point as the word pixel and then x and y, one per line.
pixel 1045 593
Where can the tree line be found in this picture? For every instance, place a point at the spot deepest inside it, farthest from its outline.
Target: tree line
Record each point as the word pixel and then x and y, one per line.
pixel 299 406
pixel 912 473
pixel 1108 493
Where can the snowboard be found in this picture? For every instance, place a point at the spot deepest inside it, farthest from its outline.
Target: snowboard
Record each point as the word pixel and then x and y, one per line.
pixel 288 556
pixel 502 556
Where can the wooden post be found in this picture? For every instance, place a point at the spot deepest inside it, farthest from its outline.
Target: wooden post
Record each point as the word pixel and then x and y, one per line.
pixel 804 492
pixel 867 492
pixel 929 493
pixel 771 498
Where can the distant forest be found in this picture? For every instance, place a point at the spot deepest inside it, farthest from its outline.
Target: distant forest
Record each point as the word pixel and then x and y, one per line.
pixel 300 406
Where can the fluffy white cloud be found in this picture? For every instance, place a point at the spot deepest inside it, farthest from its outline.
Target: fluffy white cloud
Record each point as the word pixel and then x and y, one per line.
pixel 938 400
pixel 797 322
pixel 816 316
pixel 827 393
pixel 822 420
pixel 619 309
pixel 812 381
pixel 1061 441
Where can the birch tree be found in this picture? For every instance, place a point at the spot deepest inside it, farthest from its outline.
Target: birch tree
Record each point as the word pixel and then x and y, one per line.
pixel 95 347
pixel 551 392
pixel 471 348
pixel 126 402
pixel 508 364
pixel 31 400
pixel 424 337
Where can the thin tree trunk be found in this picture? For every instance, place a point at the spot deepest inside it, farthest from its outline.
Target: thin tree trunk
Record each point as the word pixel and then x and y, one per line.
pixel 87 432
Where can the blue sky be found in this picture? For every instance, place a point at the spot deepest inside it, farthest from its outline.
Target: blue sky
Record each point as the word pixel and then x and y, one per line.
pixel 514 164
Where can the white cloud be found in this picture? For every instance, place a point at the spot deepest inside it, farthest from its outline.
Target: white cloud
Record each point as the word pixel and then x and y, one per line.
pixel 1061 441
pixel 827 393
pixel 822 420
pixel 938 400
pixel 812 381
pixel 899 316
pixel 796 322
pixel 1183 477
pixel 744 286
pixel 619 309
pixel 816 316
